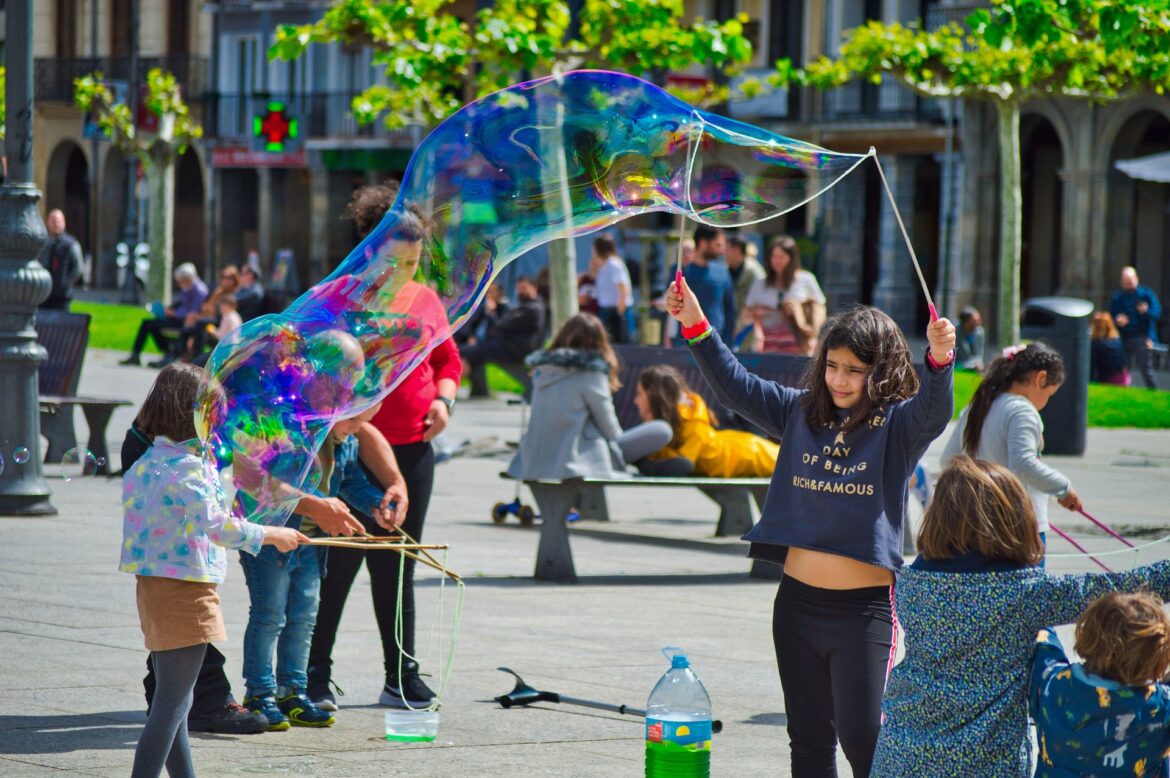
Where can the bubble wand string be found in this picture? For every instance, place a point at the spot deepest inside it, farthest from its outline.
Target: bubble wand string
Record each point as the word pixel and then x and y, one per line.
pixel 905 236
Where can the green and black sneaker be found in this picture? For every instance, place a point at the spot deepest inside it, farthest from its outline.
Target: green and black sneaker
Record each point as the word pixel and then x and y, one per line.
pixel 303 713
pixel 267 707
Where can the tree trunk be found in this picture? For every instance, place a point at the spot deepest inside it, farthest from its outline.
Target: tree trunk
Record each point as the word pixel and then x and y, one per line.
pixel 1011 216
pixel 160 176
pixel 562 254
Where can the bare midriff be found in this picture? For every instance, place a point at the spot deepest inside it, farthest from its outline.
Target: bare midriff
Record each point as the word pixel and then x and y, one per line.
pixel 832 571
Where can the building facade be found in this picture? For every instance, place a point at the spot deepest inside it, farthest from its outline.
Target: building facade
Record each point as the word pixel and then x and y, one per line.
pixel 92 182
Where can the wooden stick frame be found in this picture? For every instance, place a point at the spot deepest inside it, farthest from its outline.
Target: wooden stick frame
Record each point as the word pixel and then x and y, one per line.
pixel 402 543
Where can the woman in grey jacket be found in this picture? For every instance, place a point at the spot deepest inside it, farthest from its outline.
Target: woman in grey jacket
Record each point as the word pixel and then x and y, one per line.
pixel 573 431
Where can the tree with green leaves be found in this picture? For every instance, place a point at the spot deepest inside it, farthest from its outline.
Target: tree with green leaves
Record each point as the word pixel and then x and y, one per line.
pixel 435 62
pixel 157 152
pixel 1009 54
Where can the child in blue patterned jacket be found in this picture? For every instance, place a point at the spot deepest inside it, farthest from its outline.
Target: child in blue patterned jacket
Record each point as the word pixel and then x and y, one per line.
pixel 1110 715
pixel 971 605
pixel 176 524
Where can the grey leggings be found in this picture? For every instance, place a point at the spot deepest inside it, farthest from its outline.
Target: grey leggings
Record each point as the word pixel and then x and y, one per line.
pixel 643 440
pixel 164 738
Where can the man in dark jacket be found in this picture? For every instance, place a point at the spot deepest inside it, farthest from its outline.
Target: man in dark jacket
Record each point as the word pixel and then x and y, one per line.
pixel 61 256
pixel 510 337
pixel 1136 310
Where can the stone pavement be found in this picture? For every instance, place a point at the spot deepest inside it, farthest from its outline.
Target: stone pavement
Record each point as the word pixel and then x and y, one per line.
pixel 653 577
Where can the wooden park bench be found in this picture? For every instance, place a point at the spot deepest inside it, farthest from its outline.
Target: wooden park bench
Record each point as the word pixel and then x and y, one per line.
pixel 735 496
pixel 65 337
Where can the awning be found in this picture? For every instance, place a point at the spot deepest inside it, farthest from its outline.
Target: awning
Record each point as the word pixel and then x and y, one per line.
pixel 1155 167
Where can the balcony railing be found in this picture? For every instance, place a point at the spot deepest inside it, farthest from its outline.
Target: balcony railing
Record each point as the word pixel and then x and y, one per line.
pixel 318 115
pixel 937 14
pixel 863 101
pixel 53 78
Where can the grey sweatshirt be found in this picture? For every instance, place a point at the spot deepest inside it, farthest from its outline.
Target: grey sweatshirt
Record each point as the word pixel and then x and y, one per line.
pixel 1012 436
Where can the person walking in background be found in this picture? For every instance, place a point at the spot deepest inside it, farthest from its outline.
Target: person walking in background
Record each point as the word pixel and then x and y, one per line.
pixel 1107 359
pixel 971 339
pixel 510 337
pixel 709 279
pixel 61 256
pixel 1136 310
pixel 615 293
pixel 745 270
pixel 787 304
pixel 192 293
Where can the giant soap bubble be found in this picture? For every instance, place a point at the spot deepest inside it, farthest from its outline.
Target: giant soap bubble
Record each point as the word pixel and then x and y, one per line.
pixel 568 154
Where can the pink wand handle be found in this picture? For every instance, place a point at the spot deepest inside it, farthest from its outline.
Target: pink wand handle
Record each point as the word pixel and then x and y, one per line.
pixel 1078 547
pixel 1107 528
pixel 933 313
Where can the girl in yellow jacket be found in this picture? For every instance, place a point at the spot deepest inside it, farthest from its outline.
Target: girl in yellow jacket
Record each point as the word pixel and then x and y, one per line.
pixel 663 394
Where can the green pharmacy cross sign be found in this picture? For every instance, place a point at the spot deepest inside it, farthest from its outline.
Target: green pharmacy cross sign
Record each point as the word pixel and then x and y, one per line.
pixel 275 127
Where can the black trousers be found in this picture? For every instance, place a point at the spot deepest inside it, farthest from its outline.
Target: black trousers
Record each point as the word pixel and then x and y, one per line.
pixel 153 328
pixel 212 688
pixel 1138 356
pixel 417 462
pixel 834 649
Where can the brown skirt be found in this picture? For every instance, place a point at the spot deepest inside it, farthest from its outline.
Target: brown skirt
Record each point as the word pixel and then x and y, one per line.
pixel 175 614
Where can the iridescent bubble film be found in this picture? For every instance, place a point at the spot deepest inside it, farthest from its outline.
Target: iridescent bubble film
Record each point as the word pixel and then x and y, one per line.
pixel 552 158
pixel 21 455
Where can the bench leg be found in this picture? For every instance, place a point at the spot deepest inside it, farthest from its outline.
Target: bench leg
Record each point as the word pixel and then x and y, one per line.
pixel 57 427
pixel 98 418
pixel 592 504
pixel 554 558
pixel 735 514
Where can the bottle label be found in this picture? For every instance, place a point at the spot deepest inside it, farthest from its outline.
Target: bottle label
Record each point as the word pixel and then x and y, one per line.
pixel 684 733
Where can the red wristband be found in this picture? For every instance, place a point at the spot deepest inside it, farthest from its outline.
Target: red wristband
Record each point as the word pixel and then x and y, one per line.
pixel 695 330
pixel 931 361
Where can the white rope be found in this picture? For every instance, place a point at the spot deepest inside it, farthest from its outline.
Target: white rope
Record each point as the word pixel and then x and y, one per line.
pixel 432 639
pixel 905 234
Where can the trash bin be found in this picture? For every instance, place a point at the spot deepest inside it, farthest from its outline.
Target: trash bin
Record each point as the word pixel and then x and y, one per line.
pixel 1063 323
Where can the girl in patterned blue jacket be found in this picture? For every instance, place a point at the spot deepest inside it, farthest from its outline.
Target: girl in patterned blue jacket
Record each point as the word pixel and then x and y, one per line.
pixel 1110 715
pixel 852 436
pixel 971 605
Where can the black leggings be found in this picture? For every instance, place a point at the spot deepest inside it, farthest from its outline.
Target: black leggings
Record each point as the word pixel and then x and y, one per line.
pixel 417 462
pixel 834 649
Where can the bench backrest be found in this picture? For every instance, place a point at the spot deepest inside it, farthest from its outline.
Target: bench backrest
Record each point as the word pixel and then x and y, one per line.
pixel 65 336
pixel 784 369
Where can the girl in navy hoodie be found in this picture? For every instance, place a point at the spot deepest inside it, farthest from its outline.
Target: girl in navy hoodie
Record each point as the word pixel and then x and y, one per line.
pixel 852 435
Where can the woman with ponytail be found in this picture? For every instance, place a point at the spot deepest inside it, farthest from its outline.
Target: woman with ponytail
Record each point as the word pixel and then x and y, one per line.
pixel 1002 424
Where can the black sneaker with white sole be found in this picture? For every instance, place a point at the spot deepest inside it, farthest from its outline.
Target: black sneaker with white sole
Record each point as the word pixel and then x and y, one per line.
pixel 407 690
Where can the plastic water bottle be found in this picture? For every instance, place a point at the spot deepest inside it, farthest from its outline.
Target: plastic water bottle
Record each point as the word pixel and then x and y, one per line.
pixel 678 723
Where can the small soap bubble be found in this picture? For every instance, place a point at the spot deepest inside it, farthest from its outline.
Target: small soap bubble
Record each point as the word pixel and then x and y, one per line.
pixel 20 455
pixel 77 462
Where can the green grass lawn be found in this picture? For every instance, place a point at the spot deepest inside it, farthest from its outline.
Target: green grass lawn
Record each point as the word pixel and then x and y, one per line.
pixel 113 326
pixel 1109 406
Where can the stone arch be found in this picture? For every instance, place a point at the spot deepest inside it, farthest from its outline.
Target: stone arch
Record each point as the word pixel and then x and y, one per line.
pixel 1137 231
pixel 1043 155
pixel 190 241
pixel 67 188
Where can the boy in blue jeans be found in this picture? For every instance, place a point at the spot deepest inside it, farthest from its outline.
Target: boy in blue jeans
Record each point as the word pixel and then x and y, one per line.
pixel 285 587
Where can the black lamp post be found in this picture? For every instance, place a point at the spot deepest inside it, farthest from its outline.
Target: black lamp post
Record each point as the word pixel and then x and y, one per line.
pixel 23 283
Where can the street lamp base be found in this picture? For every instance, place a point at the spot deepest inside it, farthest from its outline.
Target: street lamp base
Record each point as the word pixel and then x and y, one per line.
pixel 26 505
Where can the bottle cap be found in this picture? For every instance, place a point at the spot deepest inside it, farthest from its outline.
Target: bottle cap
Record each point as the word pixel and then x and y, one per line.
pixel 679 662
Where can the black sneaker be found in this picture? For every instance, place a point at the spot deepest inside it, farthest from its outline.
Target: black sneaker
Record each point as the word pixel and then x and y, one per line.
pixel 409 691
pixel 303 713
pixel 322 696
pixel 232 719
pixel 133 359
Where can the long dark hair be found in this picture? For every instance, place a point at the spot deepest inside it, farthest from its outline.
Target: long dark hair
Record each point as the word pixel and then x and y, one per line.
pixel 787 244
pixel 169 407
pixel 874 339
pixel 665 388
pixel 585 332
pixel 1001 374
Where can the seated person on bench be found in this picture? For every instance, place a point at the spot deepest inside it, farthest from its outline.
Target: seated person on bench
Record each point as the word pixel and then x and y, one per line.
pixel 663 394
pixel 192 294
pixel 573 431
pixel 510 337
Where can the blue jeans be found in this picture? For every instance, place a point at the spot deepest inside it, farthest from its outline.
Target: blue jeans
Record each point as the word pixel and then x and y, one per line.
pixel 285 589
